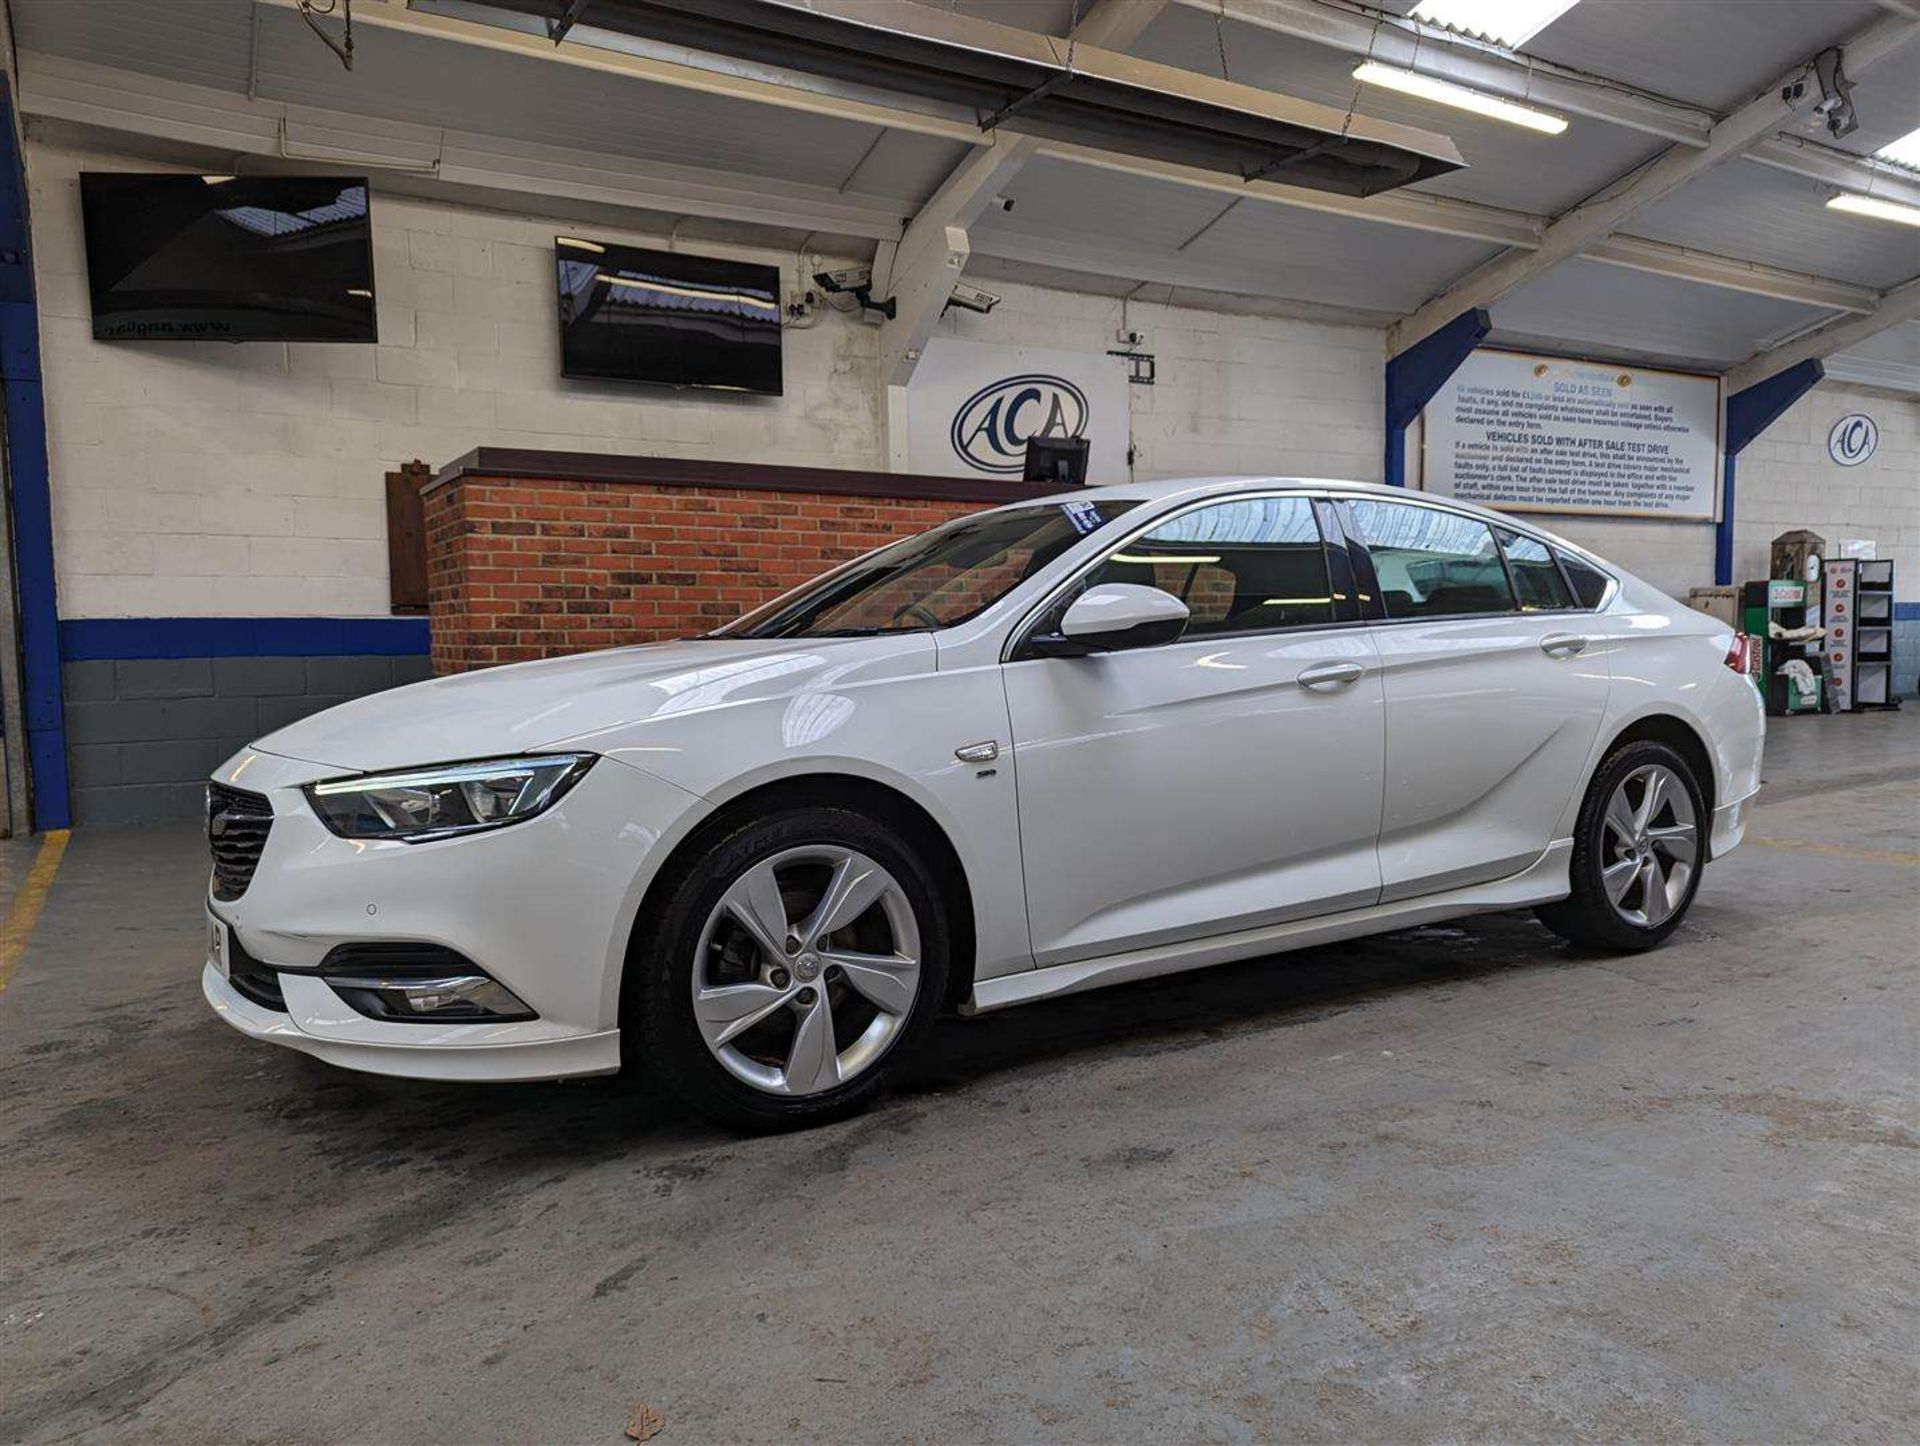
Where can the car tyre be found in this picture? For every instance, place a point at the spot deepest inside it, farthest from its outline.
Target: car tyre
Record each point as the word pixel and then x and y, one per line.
pixel 707 951
pixel 1638 848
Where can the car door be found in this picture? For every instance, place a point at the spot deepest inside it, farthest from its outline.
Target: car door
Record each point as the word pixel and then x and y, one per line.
pixel 1226 781
pixel 1494 695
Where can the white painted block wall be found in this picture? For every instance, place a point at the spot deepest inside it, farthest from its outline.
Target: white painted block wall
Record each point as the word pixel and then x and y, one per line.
pixel 1786 479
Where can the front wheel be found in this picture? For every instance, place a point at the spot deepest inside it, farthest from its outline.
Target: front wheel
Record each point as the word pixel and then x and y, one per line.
pixel 1637 850
pixel 795 968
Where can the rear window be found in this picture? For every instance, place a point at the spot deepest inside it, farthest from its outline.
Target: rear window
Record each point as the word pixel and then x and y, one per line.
pixel 1589 583
pixel 1433 563
pixel 1536 576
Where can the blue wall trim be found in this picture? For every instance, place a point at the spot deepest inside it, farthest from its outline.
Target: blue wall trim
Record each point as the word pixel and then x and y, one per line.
pixel 1906 612
pixel 82 639
pixel 28 489
pixel 1421 370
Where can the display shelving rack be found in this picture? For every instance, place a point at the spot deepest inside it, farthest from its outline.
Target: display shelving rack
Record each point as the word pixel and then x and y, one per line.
pixel 1873 635
pixel 1791 604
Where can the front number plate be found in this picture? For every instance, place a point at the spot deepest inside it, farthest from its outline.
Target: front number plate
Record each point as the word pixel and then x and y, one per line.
pixel 219 950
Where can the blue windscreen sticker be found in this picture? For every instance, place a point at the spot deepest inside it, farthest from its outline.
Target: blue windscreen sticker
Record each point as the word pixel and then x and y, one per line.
pixel 1084 516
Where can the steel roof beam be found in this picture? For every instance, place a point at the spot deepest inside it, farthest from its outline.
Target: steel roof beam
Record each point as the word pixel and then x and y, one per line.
pixel 1898 306
pixel 918 274
pixel 1833 167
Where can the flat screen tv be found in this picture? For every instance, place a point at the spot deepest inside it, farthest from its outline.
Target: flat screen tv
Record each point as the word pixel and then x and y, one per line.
pixel 229 258
pixel 632 315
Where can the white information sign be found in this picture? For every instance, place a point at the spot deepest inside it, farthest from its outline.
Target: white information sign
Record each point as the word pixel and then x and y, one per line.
pixel 971 407
pixel 1541 434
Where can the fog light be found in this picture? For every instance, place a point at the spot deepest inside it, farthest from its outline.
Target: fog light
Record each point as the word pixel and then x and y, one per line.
pixel 453 999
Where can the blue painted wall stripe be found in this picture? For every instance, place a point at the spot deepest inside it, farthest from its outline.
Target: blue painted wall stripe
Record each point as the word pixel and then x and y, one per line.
pixel 83 639
pixel 27 484
pixel 1416 374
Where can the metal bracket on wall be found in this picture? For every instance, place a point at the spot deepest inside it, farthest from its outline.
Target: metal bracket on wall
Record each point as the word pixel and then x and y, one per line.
pixel 1140 366
pixel 558 26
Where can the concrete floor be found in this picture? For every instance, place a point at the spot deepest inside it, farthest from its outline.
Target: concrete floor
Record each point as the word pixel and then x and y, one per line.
pixel 1458 1183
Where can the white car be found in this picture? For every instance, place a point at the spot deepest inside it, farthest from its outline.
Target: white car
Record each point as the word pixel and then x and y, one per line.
pixel 1060 744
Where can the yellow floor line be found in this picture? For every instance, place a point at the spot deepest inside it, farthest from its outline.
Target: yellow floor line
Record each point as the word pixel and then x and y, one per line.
pixel 1878 856
pixel 24 912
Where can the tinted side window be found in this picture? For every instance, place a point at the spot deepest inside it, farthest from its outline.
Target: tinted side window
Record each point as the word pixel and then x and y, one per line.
pixel 1536 576
pixel 1432 563
pixel 1242 566
pixel 1589 583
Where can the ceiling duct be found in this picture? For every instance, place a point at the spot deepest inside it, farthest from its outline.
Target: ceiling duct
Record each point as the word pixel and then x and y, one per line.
pixel 1033 84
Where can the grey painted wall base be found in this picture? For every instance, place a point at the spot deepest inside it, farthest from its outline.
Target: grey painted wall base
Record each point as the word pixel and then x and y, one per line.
pixel 144 733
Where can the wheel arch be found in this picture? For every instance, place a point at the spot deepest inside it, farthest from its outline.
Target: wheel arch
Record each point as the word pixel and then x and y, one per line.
pixel 861 793
pixel 1683 737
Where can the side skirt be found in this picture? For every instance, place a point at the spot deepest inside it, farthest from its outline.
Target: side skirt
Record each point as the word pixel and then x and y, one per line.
pixel 1541 882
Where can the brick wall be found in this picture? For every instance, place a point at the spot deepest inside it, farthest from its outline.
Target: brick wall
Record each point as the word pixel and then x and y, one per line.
pixel 521 569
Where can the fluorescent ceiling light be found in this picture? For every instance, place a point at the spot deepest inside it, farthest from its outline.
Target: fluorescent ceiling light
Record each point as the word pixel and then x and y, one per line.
pixel 1903 152
pixel 1443 92
pixel 1875 207
pixel 1511 23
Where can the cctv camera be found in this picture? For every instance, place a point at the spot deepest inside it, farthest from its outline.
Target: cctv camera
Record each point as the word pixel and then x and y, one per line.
pixel 848 278
pixel 972 298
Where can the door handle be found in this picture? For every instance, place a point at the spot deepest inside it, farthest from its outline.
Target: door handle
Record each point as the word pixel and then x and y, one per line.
pixel 1326 677
pixel 1563 645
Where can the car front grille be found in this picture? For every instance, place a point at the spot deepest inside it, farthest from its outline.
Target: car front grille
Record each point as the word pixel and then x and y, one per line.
pixel 237 826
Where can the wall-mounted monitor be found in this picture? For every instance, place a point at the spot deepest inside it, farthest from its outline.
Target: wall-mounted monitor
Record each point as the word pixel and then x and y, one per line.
pixel 633 315
pixel 229 258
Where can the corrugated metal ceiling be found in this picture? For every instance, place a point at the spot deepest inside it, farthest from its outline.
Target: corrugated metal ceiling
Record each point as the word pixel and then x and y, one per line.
pixel 1279 250
pixel 1769 216
pixel 1507 166
pixel 204 42
pixel 1713 53
pixel 1652 316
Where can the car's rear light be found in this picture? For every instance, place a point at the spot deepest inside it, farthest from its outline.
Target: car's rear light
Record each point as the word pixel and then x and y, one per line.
pixel 1743 655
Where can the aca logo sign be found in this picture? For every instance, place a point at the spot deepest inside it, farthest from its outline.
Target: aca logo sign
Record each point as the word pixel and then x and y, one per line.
pixel 1853 439
pixel 991 428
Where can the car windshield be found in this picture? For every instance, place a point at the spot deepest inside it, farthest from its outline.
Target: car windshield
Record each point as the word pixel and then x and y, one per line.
pixel 933 580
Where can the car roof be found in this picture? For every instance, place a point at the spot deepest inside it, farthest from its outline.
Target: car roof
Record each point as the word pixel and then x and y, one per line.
pixel 1179 486
pixel 1176 487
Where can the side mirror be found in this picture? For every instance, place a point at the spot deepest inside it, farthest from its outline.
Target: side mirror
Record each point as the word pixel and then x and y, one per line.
pixel 1113 616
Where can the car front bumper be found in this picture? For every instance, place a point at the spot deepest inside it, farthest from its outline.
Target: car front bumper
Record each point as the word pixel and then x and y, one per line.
pixel 312 1025
pixel 545 907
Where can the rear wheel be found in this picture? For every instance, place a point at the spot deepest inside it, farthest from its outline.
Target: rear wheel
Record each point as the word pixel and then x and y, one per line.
pixel 1637 852
pixel 797 964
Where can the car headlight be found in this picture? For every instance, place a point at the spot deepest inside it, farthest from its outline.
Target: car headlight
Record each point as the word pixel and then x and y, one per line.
pixel 446 799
